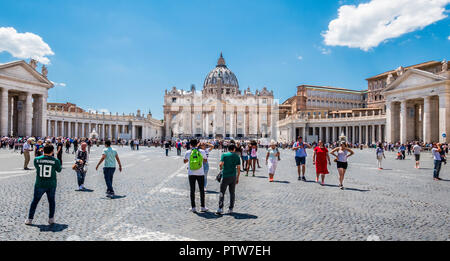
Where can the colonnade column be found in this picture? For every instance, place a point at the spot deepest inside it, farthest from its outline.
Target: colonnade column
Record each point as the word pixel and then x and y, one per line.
pixel 366 140
pixel 380 133
pixel 28 114
pixel 373 134
pixel 403 122
pixel 444 117
pixel 359 135
pixel 4 112
pixel 327 134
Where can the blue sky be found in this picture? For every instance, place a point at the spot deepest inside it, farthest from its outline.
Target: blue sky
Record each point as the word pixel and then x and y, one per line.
pixel 122 55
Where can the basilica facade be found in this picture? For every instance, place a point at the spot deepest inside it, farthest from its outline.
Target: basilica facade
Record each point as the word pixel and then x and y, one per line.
pixel 220 109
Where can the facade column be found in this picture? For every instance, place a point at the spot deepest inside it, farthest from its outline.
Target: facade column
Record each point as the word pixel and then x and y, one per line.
pixel 69 129
pixel 359 134
pixel 403 122
pixel 43 116
pixel 426 119
pixel 366 140
pixel 327 134
pixel 83 131
pixel 373 134
pixel 380 133
pixel 110 131
pixel 63 133
pixel 390 130
pixel 444 117
pixel 76 129
pixel 28 114
pixel 333 134
pixel 49 128
pixel 4 112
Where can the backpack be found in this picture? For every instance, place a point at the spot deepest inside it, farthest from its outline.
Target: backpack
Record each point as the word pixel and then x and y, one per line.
pixel 195 160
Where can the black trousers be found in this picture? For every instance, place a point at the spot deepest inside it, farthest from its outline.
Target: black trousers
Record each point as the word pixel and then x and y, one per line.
pixel 201 184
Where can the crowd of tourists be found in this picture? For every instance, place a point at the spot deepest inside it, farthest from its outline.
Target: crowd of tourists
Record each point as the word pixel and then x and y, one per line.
pixel 237 157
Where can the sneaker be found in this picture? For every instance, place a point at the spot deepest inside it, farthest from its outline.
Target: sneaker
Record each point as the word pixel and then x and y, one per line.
pixel 219 211
pixel 80 188
pixel 299 178
pixel 317 180
pixel 253 175
pixel 28 222
pixel 194 210
pixel 270 180
pixel 51 221
pixel 204 209
pixel 230 211
pixel 303 178
pixel 246 175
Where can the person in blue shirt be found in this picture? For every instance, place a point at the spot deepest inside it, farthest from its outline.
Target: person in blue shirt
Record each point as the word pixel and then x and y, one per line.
pixel 402 150
pixel 300 157
pixel 110 157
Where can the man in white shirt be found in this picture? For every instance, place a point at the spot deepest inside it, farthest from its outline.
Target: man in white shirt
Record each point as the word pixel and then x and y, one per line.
pixel 436 152
pixel 417 149
pixel 26 153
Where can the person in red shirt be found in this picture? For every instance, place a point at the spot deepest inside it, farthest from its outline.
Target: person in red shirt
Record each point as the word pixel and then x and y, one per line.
pixel 320 159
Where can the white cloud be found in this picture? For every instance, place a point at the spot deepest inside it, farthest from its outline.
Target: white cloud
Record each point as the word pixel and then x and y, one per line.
pixel 24 45
pixel 104 111
pixel 448 38
pixel 300 58
pixel 367 25
pixel 59 84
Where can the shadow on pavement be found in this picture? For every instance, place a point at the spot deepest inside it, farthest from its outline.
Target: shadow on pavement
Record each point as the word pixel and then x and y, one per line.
pixel 208 215
pixel 51 228
pixel 345 188
pixel 211 192
pixel 281 181
pixel 84 190
pixel 243 216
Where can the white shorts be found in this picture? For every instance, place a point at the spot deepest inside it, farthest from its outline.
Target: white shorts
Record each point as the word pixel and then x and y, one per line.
pixel 272 165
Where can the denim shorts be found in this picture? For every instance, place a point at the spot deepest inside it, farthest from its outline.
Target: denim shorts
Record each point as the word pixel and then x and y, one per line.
pixel 300 161
pixel 244 158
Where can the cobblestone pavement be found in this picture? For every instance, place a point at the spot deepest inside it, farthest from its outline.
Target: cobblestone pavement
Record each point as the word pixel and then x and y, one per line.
pixel 397 203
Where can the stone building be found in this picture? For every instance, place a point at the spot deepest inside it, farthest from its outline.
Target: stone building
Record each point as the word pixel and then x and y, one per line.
pixel 23 99
pixel 378 83
pixel 73 121
pixel 311 98
pixel 24 110
pixel 418 105
pixel 220 109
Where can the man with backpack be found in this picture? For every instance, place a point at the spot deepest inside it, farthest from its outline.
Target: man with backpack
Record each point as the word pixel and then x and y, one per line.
pixel 196 158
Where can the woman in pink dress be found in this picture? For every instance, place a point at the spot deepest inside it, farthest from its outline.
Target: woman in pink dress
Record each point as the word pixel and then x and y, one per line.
pixel 320 159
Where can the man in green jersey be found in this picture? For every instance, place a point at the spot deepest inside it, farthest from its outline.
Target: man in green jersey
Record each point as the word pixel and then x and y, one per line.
pixel 46 168
pixel 230 163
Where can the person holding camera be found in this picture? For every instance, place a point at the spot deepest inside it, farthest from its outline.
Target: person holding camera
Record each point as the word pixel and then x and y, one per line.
pixel 80 166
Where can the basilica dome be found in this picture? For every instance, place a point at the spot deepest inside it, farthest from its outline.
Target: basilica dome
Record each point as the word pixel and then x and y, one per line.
pixel 226 76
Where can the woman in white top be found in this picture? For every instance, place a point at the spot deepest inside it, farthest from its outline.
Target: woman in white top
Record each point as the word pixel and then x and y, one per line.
pixel 207 147
pixel 272 158
pixel 380 155
pixel 343 153
pixel 417 149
